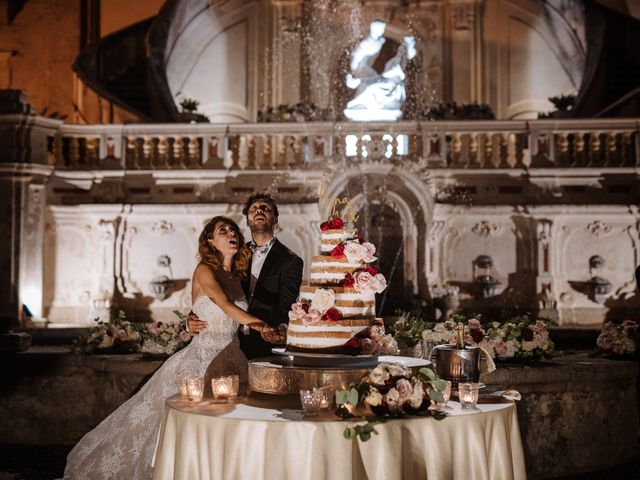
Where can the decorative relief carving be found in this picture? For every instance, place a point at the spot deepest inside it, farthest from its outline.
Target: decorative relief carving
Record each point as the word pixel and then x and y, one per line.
pixel 598 228
pixel 462 15
pixel 485 228
pixel 434 230
pixel 162 227
pixel 544 231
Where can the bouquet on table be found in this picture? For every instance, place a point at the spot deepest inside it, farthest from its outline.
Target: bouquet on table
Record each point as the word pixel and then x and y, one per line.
pixel 619 340
pixel 521 338
pixel 390 390
pixel 123 336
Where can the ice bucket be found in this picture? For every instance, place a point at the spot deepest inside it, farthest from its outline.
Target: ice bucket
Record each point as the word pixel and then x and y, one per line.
pixel 457 365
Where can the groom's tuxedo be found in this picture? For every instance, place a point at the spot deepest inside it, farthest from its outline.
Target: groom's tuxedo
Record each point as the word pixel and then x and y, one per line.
pixel 276 289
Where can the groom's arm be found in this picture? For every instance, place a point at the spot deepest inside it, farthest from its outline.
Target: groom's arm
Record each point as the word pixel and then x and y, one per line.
pixel 289 288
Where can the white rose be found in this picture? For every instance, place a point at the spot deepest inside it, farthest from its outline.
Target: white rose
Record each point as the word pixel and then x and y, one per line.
pixel 369 250
pixel 378 283
pixel 439 328
pixel 393 397
pixel 417 395
pixel 396 370
pixel 354 252
pixel 374 398
pixel 323 300
pixel 378 376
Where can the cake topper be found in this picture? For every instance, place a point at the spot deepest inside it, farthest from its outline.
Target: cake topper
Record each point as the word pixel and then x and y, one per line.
pixel 342 207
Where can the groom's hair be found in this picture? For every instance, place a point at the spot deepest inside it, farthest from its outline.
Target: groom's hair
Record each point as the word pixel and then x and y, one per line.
pixel 264 196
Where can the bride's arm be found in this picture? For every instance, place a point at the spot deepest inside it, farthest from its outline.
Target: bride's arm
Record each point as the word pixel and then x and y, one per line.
pixel 212 289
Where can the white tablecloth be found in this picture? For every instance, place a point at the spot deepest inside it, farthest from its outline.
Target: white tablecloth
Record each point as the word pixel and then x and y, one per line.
pixel 254 439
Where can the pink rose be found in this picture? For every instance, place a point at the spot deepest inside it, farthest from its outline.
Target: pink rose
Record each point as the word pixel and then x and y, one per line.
pixel 363 281
pixel 376 331
pixel 474 324
pixel 368 346
pixel 298 310
pixel 121 335
pixel 184 336
pixel 153 329
pixel 379 283
pixel 501 348
pixel 369 250
pixel 312 316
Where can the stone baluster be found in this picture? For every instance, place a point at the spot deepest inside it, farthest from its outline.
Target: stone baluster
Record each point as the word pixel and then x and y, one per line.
pixel 74 152
pixel 626 157
pixel 243 152
pixel 91 148
pixel 474 159
pixel 56 157
pixel 489 159
pixel 298 150
pixel 456 149
pixel 147 151
pixel 562 148
pixel 132 159
pixel 611 154
pixel 579 154
pixel 595 151
pixel 194 151
pixel 162 159
pixel 436 156
pixel 178 152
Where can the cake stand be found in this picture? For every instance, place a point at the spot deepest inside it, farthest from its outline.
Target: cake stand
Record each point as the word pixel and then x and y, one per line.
pixel 282 374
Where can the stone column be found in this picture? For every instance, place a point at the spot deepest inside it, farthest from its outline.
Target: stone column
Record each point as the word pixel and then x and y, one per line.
pixel 24 171
pixel 464 51
pixel 547 303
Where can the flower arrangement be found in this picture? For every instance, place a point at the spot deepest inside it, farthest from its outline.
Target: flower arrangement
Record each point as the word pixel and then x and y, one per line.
pixel 520 338
pixel 407 331
pixel 123 336
pixel 444 291
pixel 390 390
pixel 619 340
pixel 300 112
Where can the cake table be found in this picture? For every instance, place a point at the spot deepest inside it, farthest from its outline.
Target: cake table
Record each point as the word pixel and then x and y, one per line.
pixel 268 437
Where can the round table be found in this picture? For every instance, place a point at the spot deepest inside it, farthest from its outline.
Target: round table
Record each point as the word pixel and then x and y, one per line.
pixel 263 437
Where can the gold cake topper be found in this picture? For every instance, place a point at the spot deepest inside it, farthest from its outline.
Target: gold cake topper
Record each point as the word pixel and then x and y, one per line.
pixel 342 207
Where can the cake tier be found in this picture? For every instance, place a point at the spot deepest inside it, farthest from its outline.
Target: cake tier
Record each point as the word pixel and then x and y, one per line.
pixel 350 303
pixel 330 238
pixel 324 336
pixel 326 270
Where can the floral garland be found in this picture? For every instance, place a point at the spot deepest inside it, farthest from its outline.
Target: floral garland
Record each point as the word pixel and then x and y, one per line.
pixel 619 340
pixel 123 336
pixel 390 390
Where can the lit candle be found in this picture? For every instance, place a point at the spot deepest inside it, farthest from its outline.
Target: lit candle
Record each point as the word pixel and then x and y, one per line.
pixel 224 387
pixel 468 395
pixel 195 388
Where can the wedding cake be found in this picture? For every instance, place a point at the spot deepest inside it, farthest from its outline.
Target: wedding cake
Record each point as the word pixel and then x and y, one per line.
pixel 335 311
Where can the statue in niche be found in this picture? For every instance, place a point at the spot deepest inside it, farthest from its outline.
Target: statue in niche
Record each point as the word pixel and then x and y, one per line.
pixel 378 96
pixel 546 300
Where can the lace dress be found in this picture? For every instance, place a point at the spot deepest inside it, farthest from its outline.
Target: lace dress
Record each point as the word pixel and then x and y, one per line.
pixel 122 445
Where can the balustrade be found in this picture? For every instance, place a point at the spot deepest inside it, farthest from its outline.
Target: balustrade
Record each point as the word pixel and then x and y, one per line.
pixel 454 145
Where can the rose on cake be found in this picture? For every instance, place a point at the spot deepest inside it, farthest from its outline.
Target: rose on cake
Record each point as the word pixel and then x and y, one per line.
pixel 334 224
pixel 323 300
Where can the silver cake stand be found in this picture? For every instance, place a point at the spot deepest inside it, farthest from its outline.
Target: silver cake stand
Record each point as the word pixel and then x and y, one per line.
pixel 287 374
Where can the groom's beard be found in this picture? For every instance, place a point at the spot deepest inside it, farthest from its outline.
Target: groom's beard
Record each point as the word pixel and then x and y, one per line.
pixel 262 228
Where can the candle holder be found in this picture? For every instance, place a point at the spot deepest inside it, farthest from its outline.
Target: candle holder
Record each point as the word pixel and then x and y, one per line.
pixel 311 401
pixel 225 388
pixel 446 395
pixel 468 394
pixel 194 388
pixel 326 396
pixel 183 386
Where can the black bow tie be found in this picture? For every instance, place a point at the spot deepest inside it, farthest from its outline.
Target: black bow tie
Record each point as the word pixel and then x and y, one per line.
pixel 261 250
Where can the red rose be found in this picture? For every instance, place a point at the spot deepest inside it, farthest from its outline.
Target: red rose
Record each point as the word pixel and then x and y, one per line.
pixel 527 334
pixel 338 251
pixel 477 335
pixel 353 345
pixel 366 333
pixel 324 226
pixel 373 271
pixel 332 315
pixel 348 281
pixel 336 223
pixel 361 240
pixel 305 307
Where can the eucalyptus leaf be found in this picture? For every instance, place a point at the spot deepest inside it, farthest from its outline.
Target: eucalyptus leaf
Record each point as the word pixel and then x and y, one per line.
pixel 341 397
pixel 436 396
pixel 364 436
pixel 352 396
pixel 440 385
pixel 427 373
pixel 349 433
pixel 367 428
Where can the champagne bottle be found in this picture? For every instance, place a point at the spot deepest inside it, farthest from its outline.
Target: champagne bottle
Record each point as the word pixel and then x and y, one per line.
pixel 460 336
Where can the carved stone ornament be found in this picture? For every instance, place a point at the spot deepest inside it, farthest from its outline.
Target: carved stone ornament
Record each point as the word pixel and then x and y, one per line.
pixel 485 228
pixel 162 227
pixel 544 232
pixel 598 228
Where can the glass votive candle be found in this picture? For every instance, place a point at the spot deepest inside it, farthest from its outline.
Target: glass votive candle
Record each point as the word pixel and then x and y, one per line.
pixel 468 394
pixel 326 396
pixel 225 388
pixel 311 401
pixel 446 394
pixel 195 388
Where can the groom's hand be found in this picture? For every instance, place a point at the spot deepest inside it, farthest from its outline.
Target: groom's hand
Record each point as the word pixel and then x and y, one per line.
pixel 194 324
pixel 272 335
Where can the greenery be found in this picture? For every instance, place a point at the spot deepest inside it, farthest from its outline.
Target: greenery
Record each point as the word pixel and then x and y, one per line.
pixel 408 330
pixel 189 105
pixel 455 111
pixel 300 112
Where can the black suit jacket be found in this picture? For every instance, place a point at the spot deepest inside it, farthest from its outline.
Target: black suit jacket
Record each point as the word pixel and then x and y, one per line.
pixel 276 289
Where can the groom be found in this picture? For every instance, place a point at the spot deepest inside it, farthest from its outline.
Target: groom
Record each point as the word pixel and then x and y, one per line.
pixel 274 278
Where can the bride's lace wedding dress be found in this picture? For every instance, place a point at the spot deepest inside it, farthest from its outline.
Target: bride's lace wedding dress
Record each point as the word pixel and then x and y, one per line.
pixel 122 445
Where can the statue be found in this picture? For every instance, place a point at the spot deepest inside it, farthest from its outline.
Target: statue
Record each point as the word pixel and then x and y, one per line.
pixel 377 96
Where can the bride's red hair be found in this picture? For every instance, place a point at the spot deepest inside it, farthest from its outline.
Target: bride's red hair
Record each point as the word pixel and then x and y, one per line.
pixel 209 255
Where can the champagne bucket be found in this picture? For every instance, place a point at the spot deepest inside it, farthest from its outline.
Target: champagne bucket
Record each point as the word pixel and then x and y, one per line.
pixel 457 365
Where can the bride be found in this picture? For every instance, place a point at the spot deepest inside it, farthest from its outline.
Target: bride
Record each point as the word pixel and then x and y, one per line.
pixel 122 446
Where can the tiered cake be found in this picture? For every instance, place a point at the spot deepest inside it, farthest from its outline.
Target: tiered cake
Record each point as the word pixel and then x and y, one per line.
pixel 336 309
